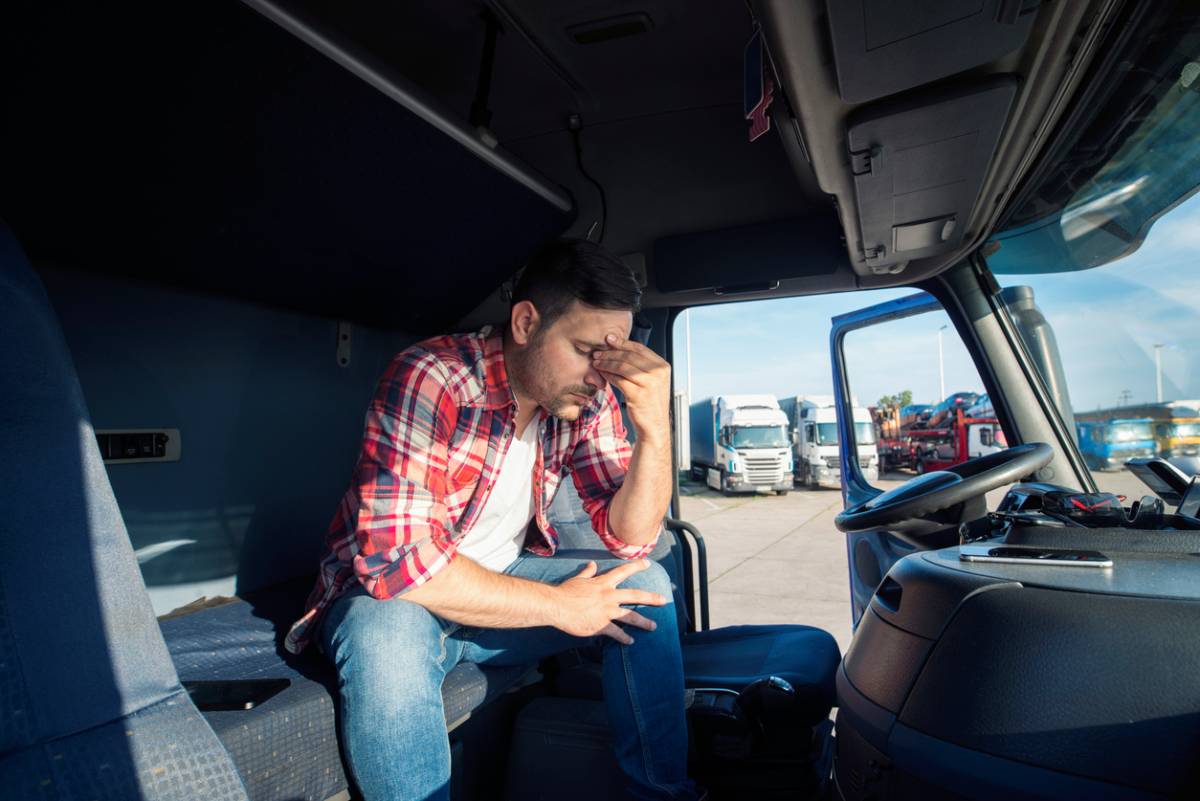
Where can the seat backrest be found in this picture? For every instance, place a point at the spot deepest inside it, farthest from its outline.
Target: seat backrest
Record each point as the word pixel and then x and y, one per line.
pixel 90 704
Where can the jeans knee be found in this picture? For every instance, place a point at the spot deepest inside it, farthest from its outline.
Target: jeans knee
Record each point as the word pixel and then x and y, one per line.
pixel 653 579
pixel 389 649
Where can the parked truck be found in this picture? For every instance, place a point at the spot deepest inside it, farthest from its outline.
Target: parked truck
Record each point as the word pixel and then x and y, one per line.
pixel 814 435
pixel 1175 425
pixel 1108 444
pixel 922 445
pixel 739 443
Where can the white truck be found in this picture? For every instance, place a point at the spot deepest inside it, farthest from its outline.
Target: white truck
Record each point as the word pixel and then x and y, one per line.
pixel 812 422
pixel 739 443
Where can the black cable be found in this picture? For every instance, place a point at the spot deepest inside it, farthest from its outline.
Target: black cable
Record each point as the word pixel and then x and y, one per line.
pixel 576 127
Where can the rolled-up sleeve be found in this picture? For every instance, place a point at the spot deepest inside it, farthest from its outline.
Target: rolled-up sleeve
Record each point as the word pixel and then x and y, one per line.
pixel 600 463
pixel 401 534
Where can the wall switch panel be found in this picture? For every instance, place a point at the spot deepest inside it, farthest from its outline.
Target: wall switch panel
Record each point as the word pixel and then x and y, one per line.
pixel 129 445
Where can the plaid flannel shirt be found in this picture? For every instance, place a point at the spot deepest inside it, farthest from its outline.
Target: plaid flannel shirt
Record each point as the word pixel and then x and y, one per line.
pixel 440 422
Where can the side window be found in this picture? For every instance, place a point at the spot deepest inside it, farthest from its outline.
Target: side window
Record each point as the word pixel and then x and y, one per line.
pixel 754 390
pixel 919 394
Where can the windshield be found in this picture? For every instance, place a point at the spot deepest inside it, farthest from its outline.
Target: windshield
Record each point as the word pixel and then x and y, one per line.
pixel 864 433
pixel 1134 158
pixel 827 434
pixel 1102 246
pixel 759 437
pixel 1186 430
pixel 1128 432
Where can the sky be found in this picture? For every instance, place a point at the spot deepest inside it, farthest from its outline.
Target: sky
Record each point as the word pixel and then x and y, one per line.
pixel 1106 321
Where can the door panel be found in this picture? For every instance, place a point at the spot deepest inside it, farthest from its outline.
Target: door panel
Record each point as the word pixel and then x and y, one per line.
pixel 880 352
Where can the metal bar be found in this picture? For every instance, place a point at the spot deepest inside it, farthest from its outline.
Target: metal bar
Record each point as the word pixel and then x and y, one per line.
pixel 855 488
pixel 415 100
pixel 701 565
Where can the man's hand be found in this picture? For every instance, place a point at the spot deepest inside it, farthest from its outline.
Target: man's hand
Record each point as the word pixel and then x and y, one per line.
pixel 645 380
pixel 591 604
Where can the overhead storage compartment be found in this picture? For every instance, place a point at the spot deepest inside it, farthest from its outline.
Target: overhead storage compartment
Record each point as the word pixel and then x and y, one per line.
pixel 918 167
pixel 882 47
pixel 243 153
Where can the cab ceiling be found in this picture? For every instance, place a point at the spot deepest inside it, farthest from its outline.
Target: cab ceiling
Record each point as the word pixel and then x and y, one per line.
pixel 659 103
pixel 196 171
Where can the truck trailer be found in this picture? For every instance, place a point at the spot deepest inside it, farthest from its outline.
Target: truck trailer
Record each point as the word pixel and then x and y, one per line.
pixel 923 446
pixel 739 443
pixel 956 440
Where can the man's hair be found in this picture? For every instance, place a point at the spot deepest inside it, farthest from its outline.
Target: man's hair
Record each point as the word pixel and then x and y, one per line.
pixel 574 269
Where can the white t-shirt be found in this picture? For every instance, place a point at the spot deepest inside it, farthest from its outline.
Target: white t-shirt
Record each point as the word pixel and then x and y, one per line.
pixel 496 539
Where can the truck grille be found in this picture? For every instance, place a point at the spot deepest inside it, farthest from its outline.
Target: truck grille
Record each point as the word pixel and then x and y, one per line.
pixel 836 462
pixel 764 470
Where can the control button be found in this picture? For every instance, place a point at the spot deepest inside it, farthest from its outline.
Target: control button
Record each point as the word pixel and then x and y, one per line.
pixel 145 446
pixel 129 446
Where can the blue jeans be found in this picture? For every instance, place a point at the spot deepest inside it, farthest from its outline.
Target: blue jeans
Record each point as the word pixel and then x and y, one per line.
pixel 391 658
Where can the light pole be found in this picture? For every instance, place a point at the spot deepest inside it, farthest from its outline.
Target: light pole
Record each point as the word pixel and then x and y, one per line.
pixel 1158 371
pixel 687 338
pixel 941 369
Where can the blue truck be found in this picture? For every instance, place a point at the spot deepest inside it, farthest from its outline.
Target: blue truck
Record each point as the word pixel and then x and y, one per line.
pixel 1108 444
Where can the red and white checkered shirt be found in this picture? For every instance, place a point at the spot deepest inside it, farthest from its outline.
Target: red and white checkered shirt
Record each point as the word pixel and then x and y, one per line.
pixel 439 424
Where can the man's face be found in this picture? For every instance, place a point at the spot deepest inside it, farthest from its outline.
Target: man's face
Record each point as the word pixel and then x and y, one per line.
pixel 553 366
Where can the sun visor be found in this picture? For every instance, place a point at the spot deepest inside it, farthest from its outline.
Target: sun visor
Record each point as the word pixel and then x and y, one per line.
pixel 749 258
pixel 246 154
pixel 882 47
pixel 918 170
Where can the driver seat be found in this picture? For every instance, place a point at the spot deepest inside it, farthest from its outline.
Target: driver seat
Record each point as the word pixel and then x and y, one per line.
pixel 728 658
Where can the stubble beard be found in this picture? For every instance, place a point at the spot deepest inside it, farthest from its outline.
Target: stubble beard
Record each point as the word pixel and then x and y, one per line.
pixel 534 381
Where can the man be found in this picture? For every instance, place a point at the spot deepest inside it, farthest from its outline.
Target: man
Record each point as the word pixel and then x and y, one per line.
pixel 466 442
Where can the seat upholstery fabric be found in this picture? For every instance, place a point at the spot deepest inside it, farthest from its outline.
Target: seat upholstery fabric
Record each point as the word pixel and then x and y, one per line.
pixel 90 704
pixel 287 748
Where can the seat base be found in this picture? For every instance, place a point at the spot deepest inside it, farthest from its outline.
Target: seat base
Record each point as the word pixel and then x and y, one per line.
pixel 287 747
pixel 732 657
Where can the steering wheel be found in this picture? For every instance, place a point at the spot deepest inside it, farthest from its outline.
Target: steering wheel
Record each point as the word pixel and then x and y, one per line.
pixel 941 489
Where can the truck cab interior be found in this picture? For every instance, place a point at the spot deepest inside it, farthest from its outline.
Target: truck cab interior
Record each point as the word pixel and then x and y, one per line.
pixel 219 221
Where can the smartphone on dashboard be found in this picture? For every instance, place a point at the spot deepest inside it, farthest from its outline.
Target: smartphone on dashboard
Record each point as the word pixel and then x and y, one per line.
pixel 1017 555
